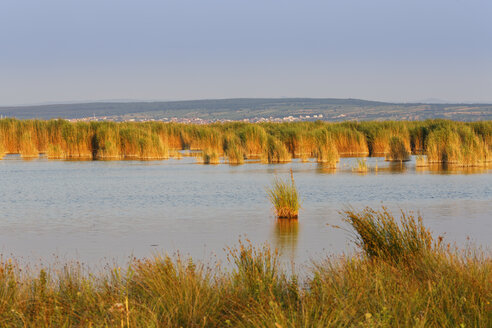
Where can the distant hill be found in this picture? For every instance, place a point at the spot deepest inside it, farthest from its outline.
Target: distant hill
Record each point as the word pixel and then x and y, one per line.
pixel 248 108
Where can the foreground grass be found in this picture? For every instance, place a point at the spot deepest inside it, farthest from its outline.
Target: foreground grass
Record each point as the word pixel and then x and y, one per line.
pixel 401 278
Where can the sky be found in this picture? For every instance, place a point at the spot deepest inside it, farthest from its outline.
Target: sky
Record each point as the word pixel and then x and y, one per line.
pixel 386 50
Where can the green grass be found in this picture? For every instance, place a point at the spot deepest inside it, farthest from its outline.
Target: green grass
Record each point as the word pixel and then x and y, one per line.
pixel 284 197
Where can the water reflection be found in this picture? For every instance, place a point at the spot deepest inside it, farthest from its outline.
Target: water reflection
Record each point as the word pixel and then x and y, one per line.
pixel 397 167
pixel 452 169
pixel 286 233
pixel 326 169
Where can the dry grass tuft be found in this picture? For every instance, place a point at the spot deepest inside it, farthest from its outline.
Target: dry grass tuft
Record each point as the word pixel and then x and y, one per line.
pixel 284 198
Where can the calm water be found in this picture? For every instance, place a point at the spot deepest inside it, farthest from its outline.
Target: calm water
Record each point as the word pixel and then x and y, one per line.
pixel 105 211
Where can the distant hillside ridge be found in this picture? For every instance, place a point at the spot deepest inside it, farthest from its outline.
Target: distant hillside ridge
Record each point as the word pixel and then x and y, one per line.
pixel 331 109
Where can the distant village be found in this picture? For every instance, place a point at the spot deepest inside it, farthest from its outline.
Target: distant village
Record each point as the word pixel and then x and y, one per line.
pixel 197 120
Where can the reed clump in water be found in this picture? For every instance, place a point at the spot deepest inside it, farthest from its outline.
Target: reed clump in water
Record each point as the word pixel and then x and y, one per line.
pixel 27 146
pixel 2 148
pixel 457 146
pixel 484 131
pixel 106 141
pixel 348 140
pixel 326 151
pixel 141 144
pixel 361 166
pixel 379 135
pixel 298 142
pixel 284 197
pixel 55 151
pixel 254 139
pixel 210 156
pixel 275 152
pixel 398 151
pixel 76 141
pixel 233 149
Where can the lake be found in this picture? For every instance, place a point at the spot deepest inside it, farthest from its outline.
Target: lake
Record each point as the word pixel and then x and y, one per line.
pixel 105 211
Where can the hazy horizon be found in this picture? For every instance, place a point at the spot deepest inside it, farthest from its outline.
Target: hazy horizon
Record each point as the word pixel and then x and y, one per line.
pixel 116 101
pixel 64 51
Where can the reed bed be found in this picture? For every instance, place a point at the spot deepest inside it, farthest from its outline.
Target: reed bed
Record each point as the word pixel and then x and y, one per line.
pixel 285 198
pixel 398 151
pixel 401 277
pixel 443 142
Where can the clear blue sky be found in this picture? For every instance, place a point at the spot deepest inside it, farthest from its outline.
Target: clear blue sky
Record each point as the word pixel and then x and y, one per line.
pixel 392 50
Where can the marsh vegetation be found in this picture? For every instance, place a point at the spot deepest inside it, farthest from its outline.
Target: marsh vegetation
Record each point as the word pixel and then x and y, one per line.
pixel 443 142
pixel 401 276
pixel 285 198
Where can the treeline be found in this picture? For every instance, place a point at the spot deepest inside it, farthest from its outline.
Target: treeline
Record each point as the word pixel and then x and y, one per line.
pixel 442 141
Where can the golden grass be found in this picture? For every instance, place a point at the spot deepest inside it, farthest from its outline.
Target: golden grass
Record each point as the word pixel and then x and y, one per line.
pixel 361 166
pixel 210 156
pixel 443 142
pixel 326 151
pixel 284 197
pixel 2 148
pixel 379 234
pixel 234 149
pixel 398 151
pixel 401 277
pixel 254 139
pixel 456 145
pixel 275 152
pixel 27 146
